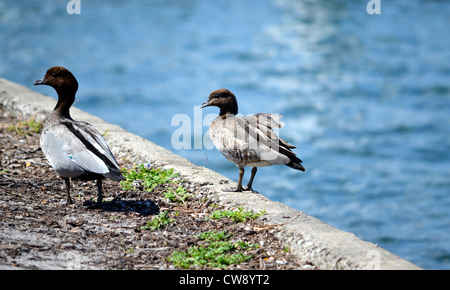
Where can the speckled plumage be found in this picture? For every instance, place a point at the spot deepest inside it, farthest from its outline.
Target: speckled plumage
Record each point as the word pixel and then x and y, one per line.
pixel 250 140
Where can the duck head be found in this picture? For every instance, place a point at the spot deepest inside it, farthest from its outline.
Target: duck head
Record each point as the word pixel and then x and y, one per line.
pixel 224 99
pixel 59 78
pixel 64 83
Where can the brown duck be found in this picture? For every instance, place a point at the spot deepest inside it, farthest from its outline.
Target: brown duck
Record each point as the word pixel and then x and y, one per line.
pixel 249 140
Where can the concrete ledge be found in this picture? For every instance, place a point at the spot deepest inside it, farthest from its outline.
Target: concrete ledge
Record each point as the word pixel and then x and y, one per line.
pixel 307 237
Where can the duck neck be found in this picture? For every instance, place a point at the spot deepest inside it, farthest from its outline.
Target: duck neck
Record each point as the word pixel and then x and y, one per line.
pixel 231 108
pixel 65 101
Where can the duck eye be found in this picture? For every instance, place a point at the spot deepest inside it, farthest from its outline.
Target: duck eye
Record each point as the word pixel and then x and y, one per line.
pixel 54 75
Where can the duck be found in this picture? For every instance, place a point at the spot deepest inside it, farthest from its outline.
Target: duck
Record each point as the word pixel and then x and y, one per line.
pixel 75 149
pixel 248 141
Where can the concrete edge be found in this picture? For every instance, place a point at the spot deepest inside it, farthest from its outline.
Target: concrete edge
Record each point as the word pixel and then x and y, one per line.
pixel 307 237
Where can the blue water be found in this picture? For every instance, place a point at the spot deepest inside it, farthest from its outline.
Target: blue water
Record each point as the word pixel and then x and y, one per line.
pixel 365 98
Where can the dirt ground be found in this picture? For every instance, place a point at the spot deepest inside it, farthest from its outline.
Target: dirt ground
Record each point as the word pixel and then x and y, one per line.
pixel 38 231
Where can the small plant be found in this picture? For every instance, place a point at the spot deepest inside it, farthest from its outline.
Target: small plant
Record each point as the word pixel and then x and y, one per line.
pixel 146 177
pixel 129 250
pixel 213 236
pixel 159 222
pixel 179 195
pixel 238 215
pixel 26 128
pixel 219 252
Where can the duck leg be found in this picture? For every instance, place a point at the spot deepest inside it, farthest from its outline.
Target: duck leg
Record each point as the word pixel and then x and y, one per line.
pixel 241 175
pixel 250 182
pixel 68 199
pixel 239 188
pixel 100 193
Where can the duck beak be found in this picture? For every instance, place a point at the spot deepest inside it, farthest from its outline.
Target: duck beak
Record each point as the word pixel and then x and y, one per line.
pixel 40 82
pixel 205 104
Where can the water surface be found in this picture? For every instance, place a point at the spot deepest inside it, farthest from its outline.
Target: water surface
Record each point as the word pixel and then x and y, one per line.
pixel 365 98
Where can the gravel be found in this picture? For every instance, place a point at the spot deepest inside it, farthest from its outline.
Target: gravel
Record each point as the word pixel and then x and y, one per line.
pixel 39 231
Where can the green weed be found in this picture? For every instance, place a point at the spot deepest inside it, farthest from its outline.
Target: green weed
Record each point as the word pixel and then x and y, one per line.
pixel 129 250
pixel 179 195
pixel 219 252
pixel 238 215
pixel 148 178
pixel 159 222
pixel 213 236
pixel 26 128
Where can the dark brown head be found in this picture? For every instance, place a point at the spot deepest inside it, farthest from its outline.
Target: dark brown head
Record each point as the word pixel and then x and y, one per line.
pixel 60 79
pixel 63 82
pixel 224 99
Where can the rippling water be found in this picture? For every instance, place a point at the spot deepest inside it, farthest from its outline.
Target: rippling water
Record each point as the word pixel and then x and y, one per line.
pixel 365 98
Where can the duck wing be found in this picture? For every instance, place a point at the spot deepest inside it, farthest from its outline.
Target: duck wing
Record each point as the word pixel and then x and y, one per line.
pixel 74 148
pixel 264 123
pixel 250 140
pixel 96 148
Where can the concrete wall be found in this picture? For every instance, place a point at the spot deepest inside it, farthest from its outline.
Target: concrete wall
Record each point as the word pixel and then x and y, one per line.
pixel 307 237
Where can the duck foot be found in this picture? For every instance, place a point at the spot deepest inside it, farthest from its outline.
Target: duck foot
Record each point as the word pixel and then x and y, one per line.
pixel 240 189
pixel 250 189
pixel 234 189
